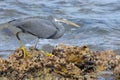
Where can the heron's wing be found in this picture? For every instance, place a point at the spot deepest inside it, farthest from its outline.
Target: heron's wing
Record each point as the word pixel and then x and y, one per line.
pixel 38 27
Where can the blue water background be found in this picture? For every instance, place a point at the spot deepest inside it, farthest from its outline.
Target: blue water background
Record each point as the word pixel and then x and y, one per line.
pixel 99 21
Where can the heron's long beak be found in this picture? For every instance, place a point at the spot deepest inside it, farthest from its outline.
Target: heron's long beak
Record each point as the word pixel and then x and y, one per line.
pixel 67 22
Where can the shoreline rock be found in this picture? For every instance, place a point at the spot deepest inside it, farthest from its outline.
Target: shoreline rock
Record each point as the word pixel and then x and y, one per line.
pixel 65 62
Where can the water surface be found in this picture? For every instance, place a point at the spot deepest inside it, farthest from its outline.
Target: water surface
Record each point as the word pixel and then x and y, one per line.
pixel 99 21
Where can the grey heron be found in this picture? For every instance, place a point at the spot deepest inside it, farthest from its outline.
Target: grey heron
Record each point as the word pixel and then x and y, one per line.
pixel 46 28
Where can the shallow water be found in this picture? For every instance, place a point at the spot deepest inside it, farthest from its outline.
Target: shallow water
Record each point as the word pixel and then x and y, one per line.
pixel 99 21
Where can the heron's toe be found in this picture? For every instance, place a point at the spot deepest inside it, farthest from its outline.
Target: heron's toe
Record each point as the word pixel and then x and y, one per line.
pixel 49 54
pixel 25 54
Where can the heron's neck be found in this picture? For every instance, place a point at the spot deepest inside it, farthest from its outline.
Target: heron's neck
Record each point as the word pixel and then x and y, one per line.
pixel 60 30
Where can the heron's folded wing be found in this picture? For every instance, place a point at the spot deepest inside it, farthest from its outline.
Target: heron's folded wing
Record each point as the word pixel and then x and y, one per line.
pixel 39 27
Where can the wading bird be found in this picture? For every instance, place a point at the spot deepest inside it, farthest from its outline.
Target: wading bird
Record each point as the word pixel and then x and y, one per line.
pixel 46 28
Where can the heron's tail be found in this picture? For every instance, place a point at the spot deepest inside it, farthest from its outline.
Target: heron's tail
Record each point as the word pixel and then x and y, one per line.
pixel 12 21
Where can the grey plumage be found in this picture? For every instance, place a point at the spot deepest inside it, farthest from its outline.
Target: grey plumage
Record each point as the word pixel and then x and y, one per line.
pixel 40 27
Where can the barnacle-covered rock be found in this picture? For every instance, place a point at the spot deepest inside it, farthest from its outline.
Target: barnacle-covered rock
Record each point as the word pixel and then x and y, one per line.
pixel 105 60
pixel 79 56
pixel 116 70
pixel 65 62
pixel 60 66
pixel 72 54
pixel 2 65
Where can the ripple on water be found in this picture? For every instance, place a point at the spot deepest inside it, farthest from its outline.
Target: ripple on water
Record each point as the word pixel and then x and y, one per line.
pixel 99 20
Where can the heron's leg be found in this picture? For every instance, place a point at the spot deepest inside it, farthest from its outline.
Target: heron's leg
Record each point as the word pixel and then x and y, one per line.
pixel 36 43
pixel 22 46
pixel 47 53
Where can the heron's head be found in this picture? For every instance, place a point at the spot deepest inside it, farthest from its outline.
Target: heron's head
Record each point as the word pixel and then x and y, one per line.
pixel 66 21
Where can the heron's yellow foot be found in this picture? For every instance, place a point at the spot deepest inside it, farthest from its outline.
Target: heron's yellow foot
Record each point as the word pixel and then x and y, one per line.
pixel 25 54
pixel 46 53
pixel 49 54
